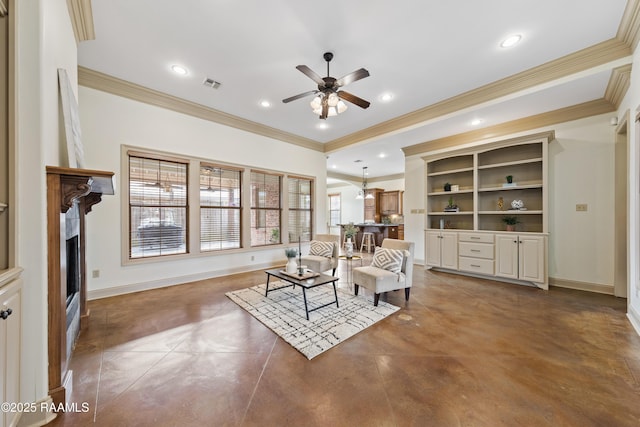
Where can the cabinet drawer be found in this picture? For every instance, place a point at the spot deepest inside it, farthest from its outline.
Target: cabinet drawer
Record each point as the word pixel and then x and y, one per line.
pixel 476 265
pixel 477 250
pixel 475 237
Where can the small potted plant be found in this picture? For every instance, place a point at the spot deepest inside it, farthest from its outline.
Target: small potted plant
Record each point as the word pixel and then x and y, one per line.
pixel 350 231
pixel 509 179
pixel 291 254
pixel 511 222
pixel 451 207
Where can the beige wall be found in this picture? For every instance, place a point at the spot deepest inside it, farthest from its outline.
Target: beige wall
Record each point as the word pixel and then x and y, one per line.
pixel 110 121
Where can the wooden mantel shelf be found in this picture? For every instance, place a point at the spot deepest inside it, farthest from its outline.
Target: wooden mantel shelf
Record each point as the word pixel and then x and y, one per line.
pixel 66 186
pixel 102 182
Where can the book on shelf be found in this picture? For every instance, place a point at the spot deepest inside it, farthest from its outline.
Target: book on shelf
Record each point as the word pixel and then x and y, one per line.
pixel 452 209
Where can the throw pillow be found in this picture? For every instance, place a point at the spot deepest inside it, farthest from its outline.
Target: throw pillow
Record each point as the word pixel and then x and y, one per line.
pixel 388 259
pixel 321 248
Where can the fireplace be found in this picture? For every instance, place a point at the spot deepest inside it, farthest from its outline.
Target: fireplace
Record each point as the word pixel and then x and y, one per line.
pixel 70 267
pixel 71 193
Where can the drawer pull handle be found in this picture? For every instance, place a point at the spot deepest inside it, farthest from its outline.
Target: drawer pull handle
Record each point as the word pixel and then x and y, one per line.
pixel 475 250
pixel 5 313
pixel 475 265
pixel 475 238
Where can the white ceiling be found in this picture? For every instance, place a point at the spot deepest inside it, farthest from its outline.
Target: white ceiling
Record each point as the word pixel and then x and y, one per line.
pixel 420 51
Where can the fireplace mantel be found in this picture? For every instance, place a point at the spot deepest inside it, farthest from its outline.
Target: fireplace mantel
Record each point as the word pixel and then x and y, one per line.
pixel 66 186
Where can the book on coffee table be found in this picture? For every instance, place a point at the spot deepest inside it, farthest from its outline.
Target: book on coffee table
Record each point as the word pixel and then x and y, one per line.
pixel 307 274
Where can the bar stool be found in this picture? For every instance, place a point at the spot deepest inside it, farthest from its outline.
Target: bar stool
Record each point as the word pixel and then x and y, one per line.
pixel 368 241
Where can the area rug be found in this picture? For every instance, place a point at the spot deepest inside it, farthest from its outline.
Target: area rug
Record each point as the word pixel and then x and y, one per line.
pixel 283 312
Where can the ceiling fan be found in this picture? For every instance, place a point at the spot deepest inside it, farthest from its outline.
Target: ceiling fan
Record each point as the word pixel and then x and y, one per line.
pixel 328 102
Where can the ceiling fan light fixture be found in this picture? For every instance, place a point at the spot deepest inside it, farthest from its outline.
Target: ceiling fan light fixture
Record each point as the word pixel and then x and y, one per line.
pixel 333 99
pixel 316 103
pixel 342 107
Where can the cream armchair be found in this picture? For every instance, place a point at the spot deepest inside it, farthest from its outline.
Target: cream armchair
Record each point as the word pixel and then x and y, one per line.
pixel 379 280
pixel 322 263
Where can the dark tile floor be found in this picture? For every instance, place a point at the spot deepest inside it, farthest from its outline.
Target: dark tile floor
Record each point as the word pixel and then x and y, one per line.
pixel 461 352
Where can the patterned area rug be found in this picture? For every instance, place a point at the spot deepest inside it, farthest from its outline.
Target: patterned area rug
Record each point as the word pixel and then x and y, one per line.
pixel 283 312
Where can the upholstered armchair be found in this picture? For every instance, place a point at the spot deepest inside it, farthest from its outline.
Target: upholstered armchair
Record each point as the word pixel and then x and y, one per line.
pixel 391 269
pixel 323 253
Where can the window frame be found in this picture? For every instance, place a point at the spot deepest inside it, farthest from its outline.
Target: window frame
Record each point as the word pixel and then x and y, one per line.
pixel 163 209
pixel 202 207
pixel 193 215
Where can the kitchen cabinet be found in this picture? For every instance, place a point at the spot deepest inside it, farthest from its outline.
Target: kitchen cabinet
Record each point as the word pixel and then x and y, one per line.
pixel 372 205
pixel 442 249
pixel 391 203
pixel 521 257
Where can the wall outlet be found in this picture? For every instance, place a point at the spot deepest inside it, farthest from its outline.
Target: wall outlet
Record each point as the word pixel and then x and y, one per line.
pixel 581 207
pixel 95 274
pixel 253 258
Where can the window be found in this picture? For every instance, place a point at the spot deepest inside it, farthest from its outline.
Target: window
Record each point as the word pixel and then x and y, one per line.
pixel 157 207
pixel 335 211
pixel 300 209
pixel 180 206
pixel 220 208
pixel 265 209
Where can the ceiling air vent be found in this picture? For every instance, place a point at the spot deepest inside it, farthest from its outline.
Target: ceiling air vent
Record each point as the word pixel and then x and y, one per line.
pixel 211 83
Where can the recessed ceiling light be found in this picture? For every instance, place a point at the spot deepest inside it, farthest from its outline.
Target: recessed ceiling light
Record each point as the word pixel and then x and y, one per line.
pixel 511 40
pixel 334 166
pixel 476 122
pixel 265 103
pixel 322 125
pixel 179 69
pixel 382 155
pixel 386 97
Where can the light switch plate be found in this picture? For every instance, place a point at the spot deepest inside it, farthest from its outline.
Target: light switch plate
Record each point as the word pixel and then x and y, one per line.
pixel 581 207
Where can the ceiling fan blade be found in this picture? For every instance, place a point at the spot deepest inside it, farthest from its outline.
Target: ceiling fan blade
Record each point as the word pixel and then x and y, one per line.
pixel 300 95
pixel 353 99
pixel 311 74
pixel 352 77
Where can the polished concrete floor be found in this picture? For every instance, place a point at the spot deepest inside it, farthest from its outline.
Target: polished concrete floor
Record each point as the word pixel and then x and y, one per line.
pixel 461 352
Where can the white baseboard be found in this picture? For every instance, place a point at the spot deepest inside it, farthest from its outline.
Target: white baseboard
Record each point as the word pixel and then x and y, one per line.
pixel 581 286
pixel 634 318
pixel 171 281
pixel 38 417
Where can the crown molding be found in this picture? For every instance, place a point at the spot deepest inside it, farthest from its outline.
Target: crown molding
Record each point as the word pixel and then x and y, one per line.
pixel 599 54
pixel 81 15
pixel 357 180
pixel 629 29
pixel 3 9
pixel 103 82
pixel 618 85
pixel 562 115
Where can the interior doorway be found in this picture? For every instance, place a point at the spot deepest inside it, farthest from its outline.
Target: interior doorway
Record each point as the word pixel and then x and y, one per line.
pixel 621 230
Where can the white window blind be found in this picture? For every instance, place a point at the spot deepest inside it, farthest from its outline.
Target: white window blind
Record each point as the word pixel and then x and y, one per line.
pixel 220 208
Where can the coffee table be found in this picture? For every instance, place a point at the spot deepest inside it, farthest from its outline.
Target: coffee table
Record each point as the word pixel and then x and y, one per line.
pixel 320 279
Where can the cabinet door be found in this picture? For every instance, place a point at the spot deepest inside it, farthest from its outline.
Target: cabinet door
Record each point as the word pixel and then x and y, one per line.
pixel 10 349
pixel 507 255
pixel 531 254
pixel 449 250
pixel 433 248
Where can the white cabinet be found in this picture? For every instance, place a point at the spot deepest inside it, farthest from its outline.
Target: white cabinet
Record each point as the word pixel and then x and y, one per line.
pixel 476 252
pixel 521 257
pixel 10 330
pixel 442 249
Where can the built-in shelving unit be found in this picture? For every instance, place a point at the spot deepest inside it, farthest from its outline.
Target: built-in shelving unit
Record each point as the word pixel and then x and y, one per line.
pixel 483 196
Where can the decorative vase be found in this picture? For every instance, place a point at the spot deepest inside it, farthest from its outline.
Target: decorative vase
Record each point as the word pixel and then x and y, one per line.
pixel 348 247
pixel 511 227
pixel 292 266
